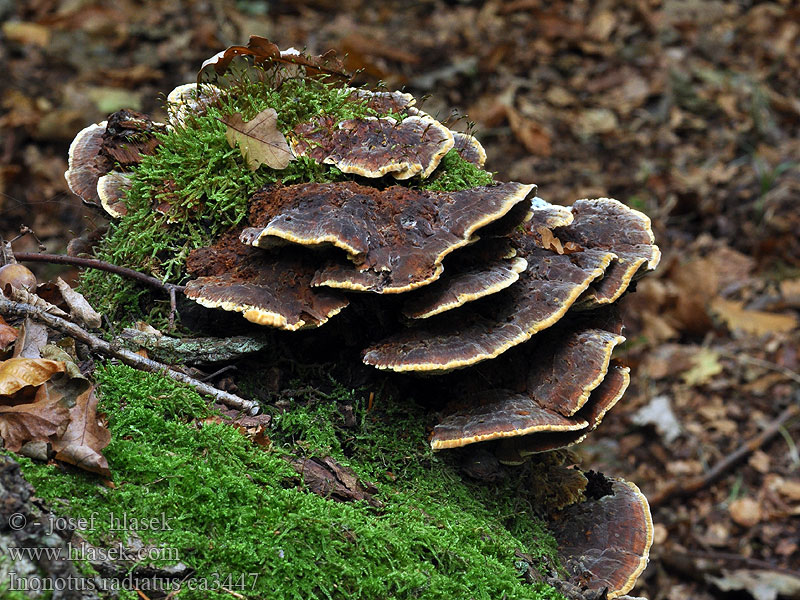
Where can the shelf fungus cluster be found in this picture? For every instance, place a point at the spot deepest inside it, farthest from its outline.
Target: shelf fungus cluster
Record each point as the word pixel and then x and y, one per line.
pixel 514 294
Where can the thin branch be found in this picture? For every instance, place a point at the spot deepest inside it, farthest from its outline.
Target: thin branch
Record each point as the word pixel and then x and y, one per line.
pixel 93 263
pixel 695 484
pixel 25 230
pixel 98 345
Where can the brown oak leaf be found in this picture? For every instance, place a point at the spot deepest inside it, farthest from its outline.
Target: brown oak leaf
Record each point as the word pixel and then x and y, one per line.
pixel 41 420
pixel 259 140
pixel 85 437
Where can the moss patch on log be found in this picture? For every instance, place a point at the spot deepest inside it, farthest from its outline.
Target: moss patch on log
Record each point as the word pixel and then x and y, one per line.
pixel 236 509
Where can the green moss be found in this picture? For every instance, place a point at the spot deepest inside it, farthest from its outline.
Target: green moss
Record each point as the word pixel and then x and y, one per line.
pixel 455 173
pixel 233 508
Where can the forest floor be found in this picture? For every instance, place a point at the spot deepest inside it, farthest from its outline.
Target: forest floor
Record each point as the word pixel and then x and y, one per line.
pixel 684 109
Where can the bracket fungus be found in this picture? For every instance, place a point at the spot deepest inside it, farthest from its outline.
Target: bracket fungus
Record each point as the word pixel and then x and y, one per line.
pixel 271 290
pixel 566 374
pixel 101 153
pixel 516 291
pixel 605 540
pixel 373 146
pixel 395 238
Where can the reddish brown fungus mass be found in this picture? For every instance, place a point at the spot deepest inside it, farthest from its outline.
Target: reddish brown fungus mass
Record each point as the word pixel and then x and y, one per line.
pixel 395 239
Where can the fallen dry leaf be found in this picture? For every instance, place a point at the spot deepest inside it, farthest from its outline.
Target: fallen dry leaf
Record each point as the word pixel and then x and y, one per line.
pixel 17 373
pixel 7 335
pixel 761 584
pixel 753 322
pixel 79 308
pixel 82 442
pixel 658 412
pixel 259 140
pixel 705 366
pixel 26 297
pixel 529 133
pixel 40 420
pixel 263 52
pixel 326 477
pixel 32 338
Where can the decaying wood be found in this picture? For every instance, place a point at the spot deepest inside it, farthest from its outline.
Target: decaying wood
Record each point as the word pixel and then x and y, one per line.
pixel 193 351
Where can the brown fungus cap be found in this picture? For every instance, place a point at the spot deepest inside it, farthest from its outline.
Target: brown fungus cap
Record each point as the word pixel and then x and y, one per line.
pixel 384 102
pixel 469 148
pixel 564 372
pixel 604 542
pixel 604 397
pixel 112 189
pixel 396 238
pixel 86 165
pixel 608 224
pixel 374 147
pixel 270 289
pixel 98 149
pixel 479 270
pixel 544 214
pixel 450 292
pixel 543 294
pixel 495 415
pixel 190 99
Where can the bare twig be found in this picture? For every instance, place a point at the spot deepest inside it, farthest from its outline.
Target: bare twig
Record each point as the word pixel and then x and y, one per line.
pixel 98 345
pixel 695 484
pixel 92 263
pixel 25 230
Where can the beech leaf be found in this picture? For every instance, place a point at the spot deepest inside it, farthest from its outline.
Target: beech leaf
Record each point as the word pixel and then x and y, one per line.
pixel 31 339
pixel 85 437
pixel 17 373
pixel 40 420
pixel 259 140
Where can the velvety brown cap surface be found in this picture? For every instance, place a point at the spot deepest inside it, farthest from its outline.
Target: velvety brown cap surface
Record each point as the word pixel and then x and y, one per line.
pixel 604 397
pixel 543 294
pixel 605 542
pixel 610 225
pixel 86 165
pixel 498 414
pixel 374 147
pixel 469 148
pixel 563 373
pixel 452 291
pixel 396 238
pixel 384 102
pixel 267 288
pixel 111 191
